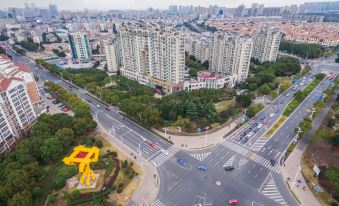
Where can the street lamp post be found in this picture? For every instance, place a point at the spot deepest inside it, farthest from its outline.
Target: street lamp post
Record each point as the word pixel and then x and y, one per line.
pixel 296 175
pixel 206 136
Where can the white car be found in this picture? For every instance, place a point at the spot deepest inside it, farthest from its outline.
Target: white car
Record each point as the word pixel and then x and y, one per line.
pixel 272 115
pixel 288 94
pixel 301 84
pixel 249 134
pixel 260 125
pixel 164 151
pixel 143 139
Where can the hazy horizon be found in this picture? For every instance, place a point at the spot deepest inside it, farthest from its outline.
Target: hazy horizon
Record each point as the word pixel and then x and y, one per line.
pixel 144 4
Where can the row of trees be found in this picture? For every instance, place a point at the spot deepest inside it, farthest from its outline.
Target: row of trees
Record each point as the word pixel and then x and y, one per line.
pixel 309 51
pixel 50 138
pixel 59 53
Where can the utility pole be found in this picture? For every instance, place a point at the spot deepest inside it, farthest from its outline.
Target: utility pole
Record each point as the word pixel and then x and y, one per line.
pixel 313 110
pixel 296 137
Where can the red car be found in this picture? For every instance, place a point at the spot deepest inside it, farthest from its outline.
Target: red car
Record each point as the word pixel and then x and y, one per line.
pixel 65 109
pixel 265 121
pixel 233 202
pixel 152 144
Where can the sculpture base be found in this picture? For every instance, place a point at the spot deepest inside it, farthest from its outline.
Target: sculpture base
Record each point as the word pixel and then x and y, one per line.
pixel 92 186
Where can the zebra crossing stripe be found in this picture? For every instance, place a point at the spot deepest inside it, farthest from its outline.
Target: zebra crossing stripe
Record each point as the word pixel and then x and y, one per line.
pixel 235 147
pixel 270 190
pixel 265 163
pixel 157 202
pixel 201 156
pixel 229 162
pixel 242 161
pixel 161 158
pixel 259 144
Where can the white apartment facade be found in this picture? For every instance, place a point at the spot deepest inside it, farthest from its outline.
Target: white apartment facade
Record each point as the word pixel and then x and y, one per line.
pixel 113 55
pixel 199 48
pixel 230 54
pixel 151 52
pixel 266 44
pixel 17 109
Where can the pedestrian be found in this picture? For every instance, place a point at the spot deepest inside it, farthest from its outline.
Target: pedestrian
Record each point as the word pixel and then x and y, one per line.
pixel 304 188
pixel 169 137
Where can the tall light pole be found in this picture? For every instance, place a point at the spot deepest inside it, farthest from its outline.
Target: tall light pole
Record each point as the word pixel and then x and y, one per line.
pixel 296 174
pixel 206 136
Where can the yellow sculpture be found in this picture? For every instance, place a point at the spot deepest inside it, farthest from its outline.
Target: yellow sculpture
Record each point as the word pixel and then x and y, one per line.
pixel 83 156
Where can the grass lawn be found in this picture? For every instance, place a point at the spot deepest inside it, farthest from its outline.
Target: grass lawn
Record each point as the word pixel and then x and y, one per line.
pixel 224 105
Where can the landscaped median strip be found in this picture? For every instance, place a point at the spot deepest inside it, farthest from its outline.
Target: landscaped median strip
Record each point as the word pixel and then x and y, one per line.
pixel 275 127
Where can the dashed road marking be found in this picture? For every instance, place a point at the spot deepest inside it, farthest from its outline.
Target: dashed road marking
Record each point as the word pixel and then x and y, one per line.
pixel 201 156
pixel 270 190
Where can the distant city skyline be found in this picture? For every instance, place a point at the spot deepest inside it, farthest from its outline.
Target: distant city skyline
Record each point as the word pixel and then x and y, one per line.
pixel 144 4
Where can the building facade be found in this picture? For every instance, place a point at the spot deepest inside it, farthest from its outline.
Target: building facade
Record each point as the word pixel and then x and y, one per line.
pixel 199 49
pixel 80 47
pixel 113 55
pixel 154 52
pixel 230 54
pixel 266 44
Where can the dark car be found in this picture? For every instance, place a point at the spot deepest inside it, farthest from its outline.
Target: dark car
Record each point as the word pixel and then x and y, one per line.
pixel 244 140
pixel 281 101
pixel 108 109
pixel 262 117
pixel 229 168
pixel 255 124
pixel 275 103
pixel 272 161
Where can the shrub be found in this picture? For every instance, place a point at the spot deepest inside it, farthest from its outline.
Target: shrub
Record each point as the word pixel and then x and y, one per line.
pixel 51 198
pixel 75 194
pixel 59 182
pixel 98 143
pixel 119 190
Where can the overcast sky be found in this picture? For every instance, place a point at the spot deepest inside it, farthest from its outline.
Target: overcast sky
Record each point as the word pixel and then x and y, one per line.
pixel 142 4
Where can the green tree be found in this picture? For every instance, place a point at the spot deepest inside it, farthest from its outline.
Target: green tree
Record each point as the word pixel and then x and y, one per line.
pixel 21 198
pixel 51 149
pixel 245 100
pixel 75 194
pixel 184 123
pixel 150 117
pixel 254 109
pixel 66 136
pixel 264 89
pixel 2 50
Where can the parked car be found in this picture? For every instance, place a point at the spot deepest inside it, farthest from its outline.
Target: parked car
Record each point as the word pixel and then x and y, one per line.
pixel 244 140
pixel 260 125
pixel 152 144
pixel 181 162
pixel 262 117
pixel 255 124
pixel 108 109
pixel 165 152
pixel 65 109
pixel 264 121
pixel 256 130
pixel 272 115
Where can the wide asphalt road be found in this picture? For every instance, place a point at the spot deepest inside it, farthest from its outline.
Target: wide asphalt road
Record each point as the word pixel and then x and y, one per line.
pixel 254 181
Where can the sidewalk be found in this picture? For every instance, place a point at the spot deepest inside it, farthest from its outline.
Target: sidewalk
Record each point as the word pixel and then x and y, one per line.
pixel 291 167
pixel 291 170
pixel 199 141
pixel 147 189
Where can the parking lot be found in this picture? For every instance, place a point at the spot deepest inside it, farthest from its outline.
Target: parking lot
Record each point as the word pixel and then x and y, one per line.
pixel 53 106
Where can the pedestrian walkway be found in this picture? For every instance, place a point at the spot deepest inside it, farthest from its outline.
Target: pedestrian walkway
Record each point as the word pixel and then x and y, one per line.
pixel 201 156
pixel 200 141
pixel 265 163
pixel 157 202
pixel 270 190
pixel 251 155
pixel 259 144
pixel 161 158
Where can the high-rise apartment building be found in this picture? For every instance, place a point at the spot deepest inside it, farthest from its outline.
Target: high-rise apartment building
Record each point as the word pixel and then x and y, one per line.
pixel 79 43
pixel 266 44
pixel 199 48
pixel 230 54
pixel 113 55
pixel 152 52
pixel 18 94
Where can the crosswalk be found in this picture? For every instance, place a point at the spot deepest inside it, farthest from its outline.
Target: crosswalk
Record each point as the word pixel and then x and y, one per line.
pixel 201 156
pixel 265 163
pixel 251 155
pixel 235 147
pixel 161 158
pixel 157 202
pixel 270 190
pixel 242 161
pixel 259 144
pixel 229 162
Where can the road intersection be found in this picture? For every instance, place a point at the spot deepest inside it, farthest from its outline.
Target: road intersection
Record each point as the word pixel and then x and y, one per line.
pixel 254 181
